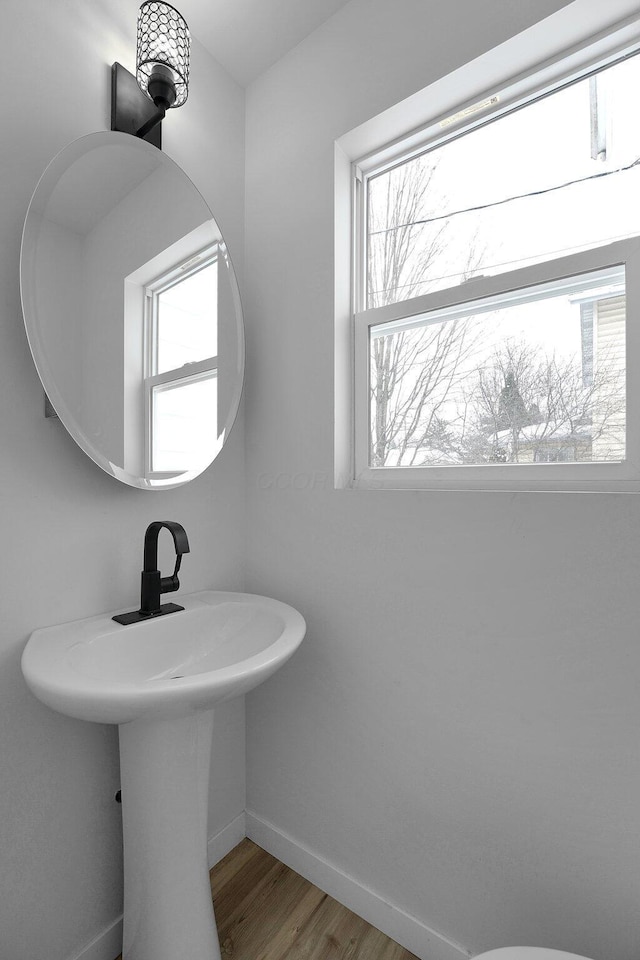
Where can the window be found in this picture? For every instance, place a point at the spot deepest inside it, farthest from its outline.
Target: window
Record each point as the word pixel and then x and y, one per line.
pixel 496 309
pixel 181 366
pixel 503 380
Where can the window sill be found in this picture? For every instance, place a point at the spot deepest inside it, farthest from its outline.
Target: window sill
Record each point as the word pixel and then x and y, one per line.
pixel 525 478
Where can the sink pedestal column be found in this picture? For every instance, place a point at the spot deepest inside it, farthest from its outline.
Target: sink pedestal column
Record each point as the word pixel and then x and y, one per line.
pixel 168 911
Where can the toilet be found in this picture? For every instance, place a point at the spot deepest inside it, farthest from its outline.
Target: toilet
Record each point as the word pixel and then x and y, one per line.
pixel 527 953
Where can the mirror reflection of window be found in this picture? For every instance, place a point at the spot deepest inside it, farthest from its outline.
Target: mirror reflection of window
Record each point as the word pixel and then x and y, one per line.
pixel 181 382
pixel 187 328
pixel 182 414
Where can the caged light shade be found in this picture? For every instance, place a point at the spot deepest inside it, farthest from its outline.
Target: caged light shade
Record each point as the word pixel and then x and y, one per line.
pixel 162 55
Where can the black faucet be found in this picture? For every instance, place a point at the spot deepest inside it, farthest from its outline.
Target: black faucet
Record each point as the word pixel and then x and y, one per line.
pixel 153 584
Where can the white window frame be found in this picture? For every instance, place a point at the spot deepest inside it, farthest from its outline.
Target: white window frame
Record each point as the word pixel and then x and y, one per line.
pixel 622 476
pixel 189 372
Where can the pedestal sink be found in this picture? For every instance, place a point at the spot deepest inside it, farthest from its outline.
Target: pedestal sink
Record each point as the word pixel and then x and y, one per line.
pixel 159 680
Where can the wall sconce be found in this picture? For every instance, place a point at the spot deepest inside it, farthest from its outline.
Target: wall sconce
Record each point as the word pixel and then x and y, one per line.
pixel 138 104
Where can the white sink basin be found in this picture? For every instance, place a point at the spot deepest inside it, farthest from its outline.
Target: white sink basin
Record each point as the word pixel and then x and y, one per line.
pixel 159 681
pixel 220 646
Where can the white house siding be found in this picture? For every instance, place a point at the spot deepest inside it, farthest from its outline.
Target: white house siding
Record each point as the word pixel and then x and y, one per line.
pixel 610 362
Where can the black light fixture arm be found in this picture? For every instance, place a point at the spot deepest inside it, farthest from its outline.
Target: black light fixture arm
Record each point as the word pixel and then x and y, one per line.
pixel 162 91
pixel 152 122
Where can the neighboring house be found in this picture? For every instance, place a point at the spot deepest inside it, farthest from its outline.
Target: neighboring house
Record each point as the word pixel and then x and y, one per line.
pixel 608 319
pixel 600 436
pixel 546 442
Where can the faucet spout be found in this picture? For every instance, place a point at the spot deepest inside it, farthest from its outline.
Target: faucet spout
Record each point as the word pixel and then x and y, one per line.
pixel 153 583
pixel 180 541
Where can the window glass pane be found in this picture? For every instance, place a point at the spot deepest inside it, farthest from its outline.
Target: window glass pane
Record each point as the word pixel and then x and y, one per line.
pixel 184 418
pixel 188 320
pixel 549 179
pixel 534 376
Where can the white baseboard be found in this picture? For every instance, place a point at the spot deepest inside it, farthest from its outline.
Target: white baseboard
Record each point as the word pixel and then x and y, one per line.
pixel 108 943
pixel 226 839
pixel 406 930
pixel 106 946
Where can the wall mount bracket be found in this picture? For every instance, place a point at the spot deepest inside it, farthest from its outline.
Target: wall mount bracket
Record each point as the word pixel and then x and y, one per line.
pixel 130 108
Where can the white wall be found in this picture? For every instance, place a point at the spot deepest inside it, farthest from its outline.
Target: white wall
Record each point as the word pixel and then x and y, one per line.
pixel 459 730
pixel 71 535
pixel 59 253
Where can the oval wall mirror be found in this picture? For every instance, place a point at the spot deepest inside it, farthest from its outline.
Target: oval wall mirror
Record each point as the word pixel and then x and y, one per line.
pixel 132 310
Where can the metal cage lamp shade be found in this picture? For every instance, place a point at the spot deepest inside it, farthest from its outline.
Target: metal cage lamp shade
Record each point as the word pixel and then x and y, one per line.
pixel 162 56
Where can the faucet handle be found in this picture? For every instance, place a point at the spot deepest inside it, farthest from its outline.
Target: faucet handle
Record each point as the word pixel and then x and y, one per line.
pixel 170 584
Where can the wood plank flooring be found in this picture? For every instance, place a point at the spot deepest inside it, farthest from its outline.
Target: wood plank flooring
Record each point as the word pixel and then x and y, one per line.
pixel 265 911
